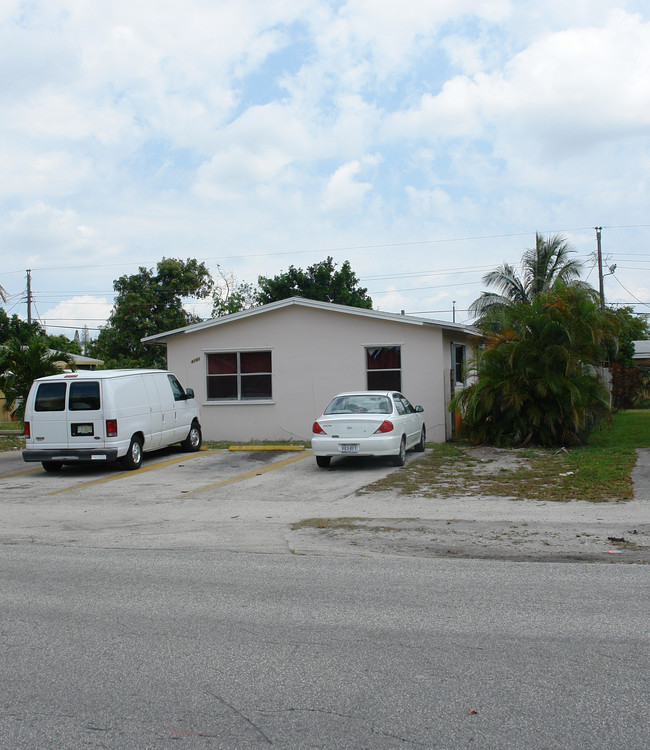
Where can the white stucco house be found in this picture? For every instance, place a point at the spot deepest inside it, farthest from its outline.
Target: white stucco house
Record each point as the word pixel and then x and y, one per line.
pixel 267 373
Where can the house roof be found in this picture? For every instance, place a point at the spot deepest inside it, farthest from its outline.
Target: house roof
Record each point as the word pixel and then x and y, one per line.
pixel 642 349
pixel 301 302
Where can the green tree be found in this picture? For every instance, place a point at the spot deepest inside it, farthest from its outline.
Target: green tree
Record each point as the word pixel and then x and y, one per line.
pixel 543 267
pixel 628 382
pixel 14 326
pixel 62 343
pixel 322 282
pixel 630 328
pixel 21 362
pixel 149 303
pixel 537 378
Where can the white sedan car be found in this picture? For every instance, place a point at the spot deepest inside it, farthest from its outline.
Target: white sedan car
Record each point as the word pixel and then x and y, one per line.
pixel 368 423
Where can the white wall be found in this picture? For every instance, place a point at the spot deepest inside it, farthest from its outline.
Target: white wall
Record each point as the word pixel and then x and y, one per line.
pixel 316 354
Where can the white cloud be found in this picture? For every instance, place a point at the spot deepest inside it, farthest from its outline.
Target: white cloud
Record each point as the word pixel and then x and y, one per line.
pixel 344 194
pixel 75 313
pixel 566 92
pixel 240 132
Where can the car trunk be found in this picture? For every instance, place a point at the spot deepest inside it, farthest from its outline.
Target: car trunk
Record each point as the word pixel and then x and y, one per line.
pixel 351 427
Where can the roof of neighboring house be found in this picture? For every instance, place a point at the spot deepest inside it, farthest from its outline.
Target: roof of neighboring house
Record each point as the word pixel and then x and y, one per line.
pixel 161 338
pixel 642 350
pixel 81 361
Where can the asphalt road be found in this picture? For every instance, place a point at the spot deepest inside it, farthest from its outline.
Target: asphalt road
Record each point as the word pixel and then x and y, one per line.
pixel 176 607
pixel 138 649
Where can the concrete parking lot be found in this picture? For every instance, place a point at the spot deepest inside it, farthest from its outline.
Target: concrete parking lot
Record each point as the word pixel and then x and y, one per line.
pixel 254 501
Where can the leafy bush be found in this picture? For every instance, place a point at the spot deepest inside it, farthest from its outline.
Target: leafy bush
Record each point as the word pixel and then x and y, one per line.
pixel 537 380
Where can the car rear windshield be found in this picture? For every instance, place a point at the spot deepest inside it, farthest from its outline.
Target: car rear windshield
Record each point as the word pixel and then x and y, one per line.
pixel 359 405
pixel 84 396
pixel 50 397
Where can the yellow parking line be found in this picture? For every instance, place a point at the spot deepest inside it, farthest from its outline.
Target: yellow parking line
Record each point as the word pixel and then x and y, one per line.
pixel 123 474
pixel 20 473
pixel 249 474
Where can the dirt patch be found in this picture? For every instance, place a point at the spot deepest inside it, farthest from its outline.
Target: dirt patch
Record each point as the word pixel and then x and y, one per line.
pixel 463 538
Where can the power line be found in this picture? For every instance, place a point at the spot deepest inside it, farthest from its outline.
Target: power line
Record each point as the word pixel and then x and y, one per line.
pixel 348 248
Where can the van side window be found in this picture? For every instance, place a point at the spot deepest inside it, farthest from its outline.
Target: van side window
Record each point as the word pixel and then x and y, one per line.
pixel 50 397
pixel 84 396
pixel 177 388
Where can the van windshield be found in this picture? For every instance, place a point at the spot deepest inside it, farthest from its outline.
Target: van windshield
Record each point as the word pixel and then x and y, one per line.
pixel 50 397
pixel 84 396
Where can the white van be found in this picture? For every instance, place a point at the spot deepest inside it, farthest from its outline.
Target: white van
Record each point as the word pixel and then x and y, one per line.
pixel 107 415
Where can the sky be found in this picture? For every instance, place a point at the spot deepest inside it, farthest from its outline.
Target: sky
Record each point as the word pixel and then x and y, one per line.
pixel 425 141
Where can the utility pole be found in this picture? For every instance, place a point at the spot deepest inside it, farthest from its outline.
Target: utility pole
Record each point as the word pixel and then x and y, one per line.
pixel 29 296
pixel 601 287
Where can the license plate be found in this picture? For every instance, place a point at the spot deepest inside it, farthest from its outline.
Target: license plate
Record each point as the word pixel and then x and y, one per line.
pixel 82 429
pixel 349 447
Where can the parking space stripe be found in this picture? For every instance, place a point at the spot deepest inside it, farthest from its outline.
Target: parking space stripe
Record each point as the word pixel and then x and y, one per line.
pixel 141 470
pixel 20 473
pixel 248 474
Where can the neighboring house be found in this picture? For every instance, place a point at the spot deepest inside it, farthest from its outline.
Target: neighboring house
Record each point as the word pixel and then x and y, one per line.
pixel 642 355
pixel 81 363
pixel 267 373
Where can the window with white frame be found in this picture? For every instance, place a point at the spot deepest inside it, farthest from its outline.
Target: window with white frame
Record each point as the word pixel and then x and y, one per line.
pixel 239 376
pixel 384 368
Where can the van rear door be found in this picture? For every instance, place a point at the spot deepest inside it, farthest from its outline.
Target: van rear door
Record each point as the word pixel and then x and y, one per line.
pixel 85 426
pixel 49 424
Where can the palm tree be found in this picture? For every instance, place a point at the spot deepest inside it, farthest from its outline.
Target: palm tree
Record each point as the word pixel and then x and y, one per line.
pixel 537 379
pixel 21 362
pixel 543 268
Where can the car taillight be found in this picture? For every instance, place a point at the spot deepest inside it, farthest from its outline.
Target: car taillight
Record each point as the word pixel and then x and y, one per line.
pixel 317 429
pixel 111 428
pixel 28 433
pixel 385 426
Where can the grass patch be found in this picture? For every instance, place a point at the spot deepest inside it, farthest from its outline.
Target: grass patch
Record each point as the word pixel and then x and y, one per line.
pixel 598 472
pixel 351 523
pixel 12 442
pixel 346 522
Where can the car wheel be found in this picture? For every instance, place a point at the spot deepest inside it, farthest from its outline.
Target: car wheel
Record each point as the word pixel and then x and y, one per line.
pixel 423 439
pixel 323 461
pixel 52 465
pixel 133 458
pixel 400 458
pixel 193 440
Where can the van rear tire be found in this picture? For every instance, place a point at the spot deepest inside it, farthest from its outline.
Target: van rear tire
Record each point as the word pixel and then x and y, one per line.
pixel 52 465
pixel 193 440
pixel 133 458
